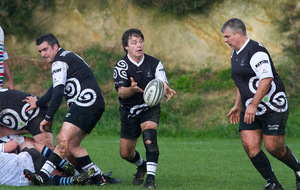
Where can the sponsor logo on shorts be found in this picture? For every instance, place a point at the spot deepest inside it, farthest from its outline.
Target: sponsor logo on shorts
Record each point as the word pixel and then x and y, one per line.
pixel 273 127
pixel 68 114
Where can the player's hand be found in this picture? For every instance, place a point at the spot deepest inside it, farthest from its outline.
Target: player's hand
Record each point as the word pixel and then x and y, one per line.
pixel 250 114
pixel 134 86
pixel 43 124
pixel 32 101
pixel 235 114
pixel 169 93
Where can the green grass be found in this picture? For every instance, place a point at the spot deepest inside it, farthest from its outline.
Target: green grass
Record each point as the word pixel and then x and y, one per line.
pixel 186 163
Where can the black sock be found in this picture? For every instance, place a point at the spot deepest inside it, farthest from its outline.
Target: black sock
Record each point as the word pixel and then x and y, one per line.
pixel 136 158
pixel 262 164
pixel 82 162
pixel 290 160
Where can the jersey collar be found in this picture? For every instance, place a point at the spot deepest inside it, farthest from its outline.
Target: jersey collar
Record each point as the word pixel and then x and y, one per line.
pixel 241 49
pixel 136 63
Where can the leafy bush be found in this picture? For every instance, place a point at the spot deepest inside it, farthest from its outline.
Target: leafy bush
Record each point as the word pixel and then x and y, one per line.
pixel 101 62
pixel 15 16
pixel 177 7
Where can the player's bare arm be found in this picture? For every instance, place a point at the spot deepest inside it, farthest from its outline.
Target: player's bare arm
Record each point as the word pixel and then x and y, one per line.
pixel 126 92
pixel 8 75
pixel 169 93
pixel 235 111
pixel 262 90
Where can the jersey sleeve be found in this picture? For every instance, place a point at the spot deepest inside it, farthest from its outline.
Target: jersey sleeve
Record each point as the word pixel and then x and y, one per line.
pixel 160 73
pixel 261 65
pixel 59 73
pixel 120 74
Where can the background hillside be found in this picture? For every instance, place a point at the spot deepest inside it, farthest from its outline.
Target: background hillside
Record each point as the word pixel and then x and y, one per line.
pixel 185 35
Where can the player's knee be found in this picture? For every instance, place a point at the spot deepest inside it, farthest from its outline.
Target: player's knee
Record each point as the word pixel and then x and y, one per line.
pixel 276 151
pixel 126 155
pixel 150 142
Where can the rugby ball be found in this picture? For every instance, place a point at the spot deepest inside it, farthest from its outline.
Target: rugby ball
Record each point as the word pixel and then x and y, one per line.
pixel 154 92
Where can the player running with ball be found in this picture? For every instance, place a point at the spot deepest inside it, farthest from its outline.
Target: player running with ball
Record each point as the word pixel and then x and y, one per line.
pixel 131 74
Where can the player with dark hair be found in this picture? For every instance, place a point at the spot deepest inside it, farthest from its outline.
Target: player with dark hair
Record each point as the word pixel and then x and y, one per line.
pixel 73 78
pixel 14 119
pixel 131 75
pixel 261 106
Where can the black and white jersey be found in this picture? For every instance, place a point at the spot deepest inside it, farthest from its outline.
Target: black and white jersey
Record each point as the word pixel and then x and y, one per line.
pixel 13 113
pixel 143 72
pixel 251 64
pixel 74 73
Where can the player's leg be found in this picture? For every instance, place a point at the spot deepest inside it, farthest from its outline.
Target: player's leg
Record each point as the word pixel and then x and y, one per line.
pixel 128 152
pixel 130 132
pixel 276 146
pixel 251 140
pixel 149 124
pixel 83 161
pixel 149 131
pixel 68 131
pixel 274 140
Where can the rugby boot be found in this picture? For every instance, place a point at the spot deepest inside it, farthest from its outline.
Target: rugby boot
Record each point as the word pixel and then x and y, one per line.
pixel 83 177
pixel 111 180
pixel 273 186
pixel 33 177
pixel 68 170
pixel 150 182
pixel 96 179
pixel 138 178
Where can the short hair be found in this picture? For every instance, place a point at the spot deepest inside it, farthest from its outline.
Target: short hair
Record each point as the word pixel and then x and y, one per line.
pixel 50 38
pixel 235 25
pixel 128 33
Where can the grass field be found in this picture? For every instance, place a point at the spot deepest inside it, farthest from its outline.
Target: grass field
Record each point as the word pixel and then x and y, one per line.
pixel 185 163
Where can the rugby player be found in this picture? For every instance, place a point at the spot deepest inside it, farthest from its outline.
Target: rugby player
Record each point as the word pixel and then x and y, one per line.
pixel 13 164
pixel 73 78
pixel 131 75
pixel 261 106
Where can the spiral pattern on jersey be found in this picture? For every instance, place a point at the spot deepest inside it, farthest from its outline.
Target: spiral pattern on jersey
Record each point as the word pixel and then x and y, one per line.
pixel 86 98
pixel 120 69
pixel 13 120
pixel 72 90
pixel 274 101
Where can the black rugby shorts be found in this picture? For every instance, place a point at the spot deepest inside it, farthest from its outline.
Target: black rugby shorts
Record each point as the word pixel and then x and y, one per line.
pixel 271 124
pixel 131 126
pixel 85 118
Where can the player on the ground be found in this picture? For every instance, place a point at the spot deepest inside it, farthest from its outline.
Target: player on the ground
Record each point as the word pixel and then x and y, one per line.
pixel 131 75
pixel 15 120
pixel 13 164
pixel 261 106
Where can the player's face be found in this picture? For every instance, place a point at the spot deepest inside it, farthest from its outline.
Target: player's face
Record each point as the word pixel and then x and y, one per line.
pixel 135 48
pixel 47 52
pixel 231 39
